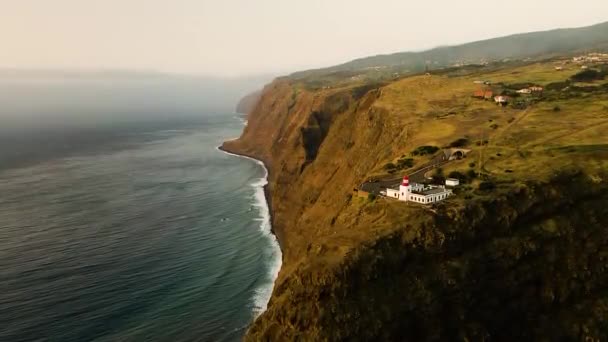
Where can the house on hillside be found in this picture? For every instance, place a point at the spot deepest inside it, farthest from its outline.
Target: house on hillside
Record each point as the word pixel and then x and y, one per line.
pixel 536 89
pixel 525 91
pixel 483 94
pixel 501 100
pixel 559 68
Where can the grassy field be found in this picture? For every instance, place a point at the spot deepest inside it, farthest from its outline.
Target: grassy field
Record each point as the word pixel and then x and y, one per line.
pixel 558 129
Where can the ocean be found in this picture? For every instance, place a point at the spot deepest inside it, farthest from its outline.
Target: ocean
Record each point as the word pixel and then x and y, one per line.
pixel 134 231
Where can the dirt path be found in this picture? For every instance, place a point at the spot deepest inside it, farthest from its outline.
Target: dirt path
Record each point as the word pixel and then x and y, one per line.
pixel 500 133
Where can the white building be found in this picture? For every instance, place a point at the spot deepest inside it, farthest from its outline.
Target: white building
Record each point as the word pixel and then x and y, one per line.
pixel 536 89
pixel 524 91
pixel 452 182
pixel 419 193
pixel 501 99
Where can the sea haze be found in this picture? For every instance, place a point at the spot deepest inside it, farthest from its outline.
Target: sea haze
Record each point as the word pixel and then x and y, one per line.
pixel 119 217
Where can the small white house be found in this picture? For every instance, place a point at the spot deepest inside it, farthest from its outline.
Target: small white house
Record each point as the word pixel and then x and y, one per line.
pixel 524 91
pixel 501 99
pixel 536 89
pixel 452 182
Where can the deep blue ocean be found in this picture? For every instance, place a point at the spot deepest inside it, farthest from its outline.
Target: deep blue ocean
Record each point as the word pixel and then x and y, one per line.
pixel 133 230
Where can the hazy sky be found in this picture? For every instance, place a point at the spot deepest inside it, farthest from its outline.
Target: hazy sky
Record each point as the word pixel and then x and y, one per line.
pixel 235 37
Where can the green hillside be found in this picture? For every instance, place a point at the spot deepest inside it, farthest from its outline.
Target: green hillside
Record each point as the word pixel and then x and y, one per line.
pixel 534 45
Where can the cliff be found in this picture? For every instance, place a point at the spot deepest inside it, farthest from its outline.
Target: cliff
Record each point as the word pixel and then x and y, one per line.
pixel 519 254
pixel 248 102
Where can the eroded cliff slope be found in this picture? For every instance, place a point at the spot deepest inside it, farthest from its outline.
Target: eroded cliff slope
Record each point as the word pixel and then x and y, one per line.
pixel 519 254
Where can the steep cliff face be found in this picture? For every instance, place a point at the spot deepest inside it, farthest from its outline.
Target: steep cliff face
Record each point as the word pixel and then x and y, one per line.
pixel 529 265
pixel 248 102
pixel 527 261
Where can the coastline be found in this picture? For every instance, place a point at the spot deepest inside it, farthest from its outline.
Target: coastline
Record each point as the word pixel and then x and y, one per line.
pixel 267 216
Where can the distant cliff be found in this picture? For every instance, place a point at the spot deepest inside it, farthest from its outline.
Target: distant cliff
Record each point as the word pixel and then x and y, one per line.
pixel 520 253
pixel 247 103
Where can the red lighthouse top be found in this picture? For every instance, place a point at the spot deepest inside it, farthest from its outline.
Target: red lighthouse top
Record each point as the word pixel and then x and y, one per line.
pixel 406 181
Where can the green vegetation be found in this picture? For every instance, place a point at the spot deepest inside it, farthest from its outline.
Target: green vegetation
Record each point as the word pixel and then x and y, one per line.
pixel 405 163
pixel 588 75
pixel 486 186
pixel 390 166
pixel 402 163
pixel 461 142
pixel 518 46
pixel 557 86
pixel 425 150
pixel 519 254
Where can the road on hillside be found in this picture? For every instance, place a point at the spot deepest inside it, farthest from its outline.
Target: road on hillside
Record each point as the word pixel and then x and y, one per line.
pixel 415 177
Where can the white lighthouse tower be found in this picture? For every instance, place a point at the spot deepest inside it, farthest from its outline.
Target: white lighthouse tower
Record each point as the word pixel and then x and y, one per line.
pixel 405 189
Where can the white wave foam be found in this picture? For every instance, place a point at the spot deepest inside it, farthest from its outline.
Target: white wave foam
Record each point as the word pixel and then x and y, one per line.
pixel 262 294
pixel 244 121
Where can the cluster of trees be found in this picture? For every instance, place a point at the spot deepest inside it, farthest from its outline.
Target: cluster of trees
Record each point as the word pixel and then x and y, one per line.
pixel 425 150
pixel 590 75
pixel 402 163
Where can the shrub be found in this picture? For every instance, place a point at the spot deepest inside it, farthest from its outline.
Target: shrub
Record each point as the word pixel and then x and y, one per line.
pixel 520 105
pixel 460 176
pixel 472 165
pixel 471 174
pixel 389 166
pixel 487 186
pixel 371 197
pixel 424 150
pixel 405 163
pixel 438 179
pixel 494 126
pixel 558 85
pixel 457 175
pixel 556 109
pixel 459 142
pixel 588 75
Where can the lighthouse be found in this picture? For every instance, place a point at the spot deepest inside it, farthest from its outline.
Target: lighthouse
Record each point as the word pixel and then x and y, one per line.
pixel 404 189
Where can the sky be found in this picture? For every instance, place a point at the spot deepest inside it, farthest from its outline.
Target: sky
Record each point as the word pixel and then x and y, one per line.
pixel 244 37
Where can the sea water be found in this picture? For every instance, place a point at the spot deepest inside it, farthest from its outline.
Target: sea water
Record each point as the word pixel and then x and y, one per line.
pixel 151 234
